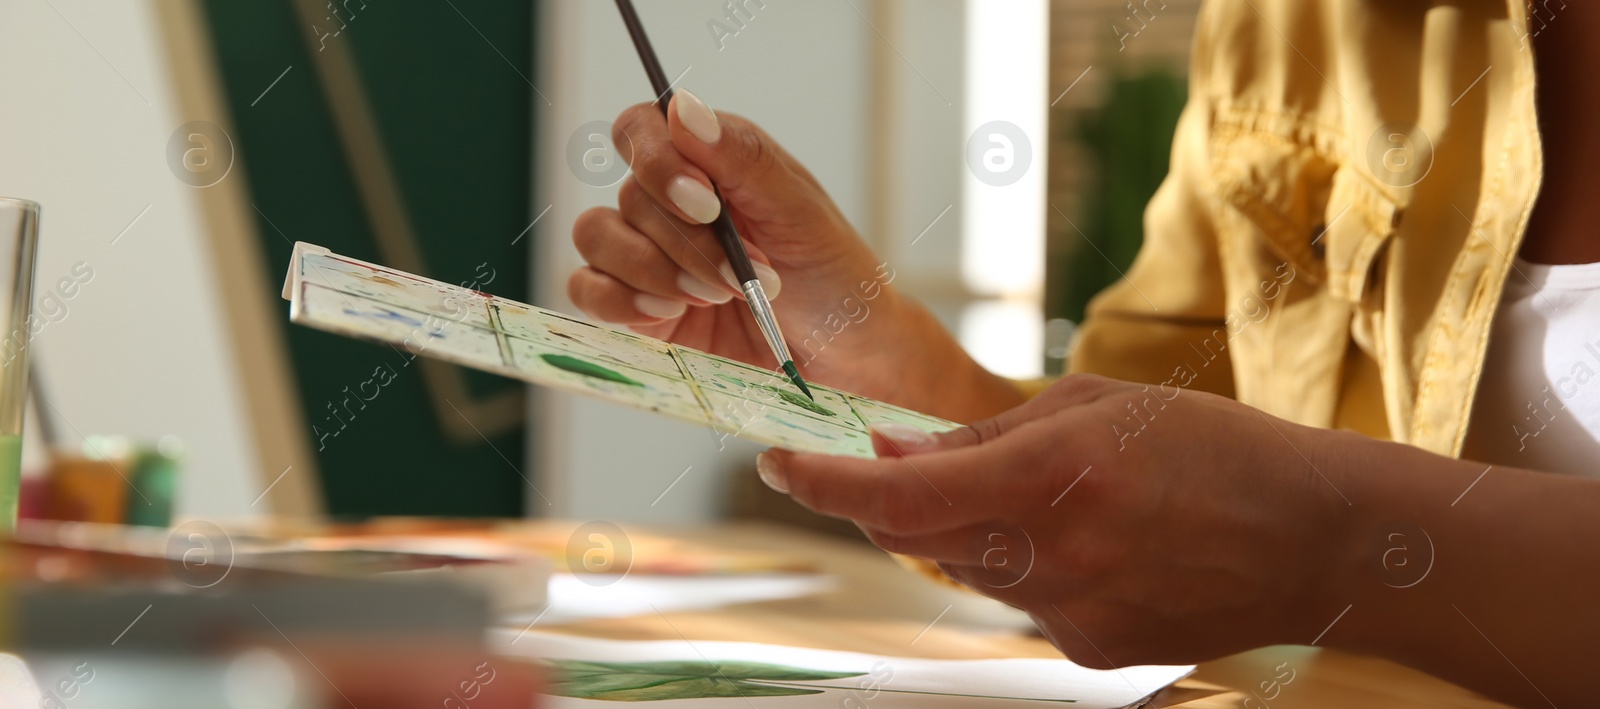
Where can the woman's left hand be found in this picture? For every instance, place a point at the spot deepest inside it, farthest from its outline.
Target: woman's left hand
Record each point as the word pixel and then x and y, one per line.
pixel 1135 524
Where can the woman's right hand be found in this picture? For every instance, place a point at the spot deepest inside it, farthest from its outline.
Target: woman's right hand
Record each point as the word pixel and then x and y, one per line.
pixel 655 265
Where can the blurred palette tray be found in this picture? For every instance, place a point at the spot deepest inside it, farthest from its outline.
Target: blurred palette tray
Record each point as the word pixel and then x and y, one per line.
pixel 422 317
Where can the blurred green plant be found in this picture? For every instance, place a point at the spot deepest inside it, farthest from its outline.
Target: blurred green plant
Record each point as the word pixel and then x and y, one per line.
pixel 1127 141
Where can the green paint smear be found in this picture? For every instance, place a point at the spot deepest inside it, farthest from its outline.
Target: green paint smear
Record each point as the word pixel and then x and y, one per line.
pixel 588 369
pixel 789 396
pixel 802 402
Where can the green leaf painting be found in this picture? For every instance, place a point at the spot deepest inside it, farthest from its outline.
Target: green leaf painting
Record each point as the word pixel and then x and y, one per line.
pixel 698 679
pixel 588 369
pixel 785 394
pixel 685 679
pixel 803 402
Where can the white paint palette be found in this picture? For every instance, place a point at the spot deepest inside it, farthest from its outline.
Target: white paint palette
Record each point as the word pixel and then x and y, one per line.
pixel 427 318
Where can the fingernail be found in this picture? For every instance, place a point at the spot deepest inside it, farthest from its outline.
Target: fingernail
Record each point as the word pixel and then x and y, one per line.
pixel 695 199
pixel 698 117
pixel 764 273
pixel 907 439
pixel 767 468
pixel 658 307
pixel 702 290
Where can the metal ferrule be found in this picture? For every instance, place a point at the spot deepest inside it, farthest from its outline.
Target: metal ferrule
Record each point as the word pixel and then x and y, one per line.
pixel 762 308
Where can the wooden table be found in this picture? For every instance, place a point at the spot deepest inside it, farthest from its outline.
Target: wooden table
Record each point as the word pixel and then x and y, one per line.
pixel 880 608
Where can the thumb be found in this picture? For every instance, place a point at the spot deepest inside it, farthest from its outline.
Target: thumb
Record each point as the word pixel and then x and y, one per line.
pixel 897 440
pixel 753 172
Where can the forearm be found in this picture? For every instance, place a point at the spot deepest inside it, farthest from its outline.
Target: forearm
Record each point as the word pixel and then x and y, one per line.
pixel 1487 579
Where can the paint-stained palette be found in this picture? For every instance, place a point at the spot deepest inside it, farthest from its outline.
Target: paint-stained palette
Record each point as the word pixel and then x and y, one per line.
pixel 425 317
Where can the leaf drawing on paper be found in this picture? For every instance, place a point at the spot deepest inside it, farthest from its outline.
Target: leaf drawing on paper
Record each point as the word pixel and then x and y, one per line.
pixel 699 679
pixel 686 679
pixel 802 402
pixel 588 369
pixel 786 395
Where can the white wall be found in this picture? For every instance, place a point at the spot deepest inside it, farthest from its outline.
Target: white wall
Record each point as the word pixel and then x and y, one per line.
pixel 86 110
pixel 925 71
pixel 799 68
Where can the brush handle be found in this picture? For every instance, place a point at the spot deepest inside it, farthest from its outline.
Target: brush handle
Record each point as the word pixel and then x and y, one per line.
pixel 738 258
pixel 727 234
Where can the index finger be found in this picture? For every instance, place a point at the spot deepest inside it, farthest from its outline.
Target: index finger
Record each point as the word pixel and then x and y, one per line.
pixel 1070 391
pixel 641 136
pixel 908 495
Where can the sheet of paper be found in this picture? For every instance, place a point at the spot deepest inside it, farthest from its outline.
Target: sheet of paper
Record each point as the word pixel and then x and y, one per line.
pixel 422 317
pixel 576 597
pixel 586 671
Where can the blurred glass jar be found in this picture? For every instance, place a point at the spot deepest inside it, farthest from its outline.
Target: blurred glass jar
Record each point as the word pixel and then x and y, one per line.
pixel 19 237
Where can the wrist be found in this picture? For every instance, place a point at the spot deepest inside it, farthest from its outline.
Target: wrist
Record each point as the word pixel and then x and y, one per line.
pixel 1326 523
pixel 936 374
pixel 880 343
pixel 1381 558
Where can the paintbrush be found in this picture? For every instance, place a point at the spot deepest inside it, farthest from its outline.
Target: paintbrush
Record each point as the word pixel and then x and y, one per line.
pixel 732 245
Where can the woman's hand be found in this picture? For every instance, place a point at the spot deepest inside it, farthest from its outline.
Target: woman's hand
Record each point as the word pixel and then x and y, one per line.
pixel 1134 524
pixel 655 265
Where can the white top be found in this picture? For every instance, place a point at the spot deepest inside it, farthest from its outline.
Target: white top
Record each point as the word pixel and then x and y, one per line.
pixel 1538 403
